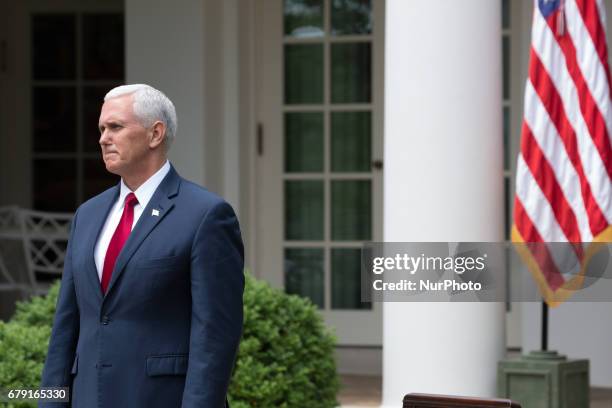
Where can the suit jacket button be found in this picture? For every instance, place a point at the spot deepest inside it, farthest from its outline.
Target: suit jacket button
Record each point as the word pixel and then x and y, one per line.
pixel 105 320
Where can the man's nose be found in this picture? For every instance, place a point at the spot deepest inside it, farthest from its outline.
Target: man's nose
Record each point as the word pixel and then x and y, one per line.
pixel 104 138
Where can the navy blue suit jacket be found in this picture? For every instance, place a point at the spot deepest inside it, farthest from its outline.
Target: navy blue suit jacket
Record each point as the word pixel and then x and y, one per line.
pixel 166 332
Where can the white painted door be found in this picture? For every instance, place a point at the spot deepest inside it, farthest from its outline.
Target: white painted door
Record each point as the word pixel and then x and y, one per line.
pixel 320 145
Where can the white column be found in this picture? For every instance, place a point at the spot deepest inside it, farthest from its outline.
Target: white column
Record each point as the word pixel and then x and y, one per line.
pixel 443 182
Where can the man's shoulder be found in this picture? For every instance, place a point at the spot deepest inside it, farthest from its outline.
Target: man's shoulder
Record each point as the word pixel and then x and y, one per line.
pixel 198 196
pixel 101 199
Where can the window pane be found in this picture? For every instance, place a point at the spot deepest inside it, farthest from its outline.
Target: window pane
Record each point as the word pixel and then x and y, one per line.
pixel 93 98
pixel 97 178
pixel 507 206
pixel 304 142
pixel 304 210
pixel 351 17
pixel 55 185
pixel 303 18
pixel 505 13
pixel 351 72
pixel 103 46
pixel 506 138
pixel 351 144
pixel 304 73
pixel 304 273
pixel 506 66
pixel 346 279
pixel 351 210
pixel 53 46
pixel 54 124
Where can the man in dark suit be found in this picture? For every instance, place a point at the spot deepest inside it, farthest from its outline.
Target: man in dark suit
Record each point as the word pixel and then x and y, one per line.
pixel 150 308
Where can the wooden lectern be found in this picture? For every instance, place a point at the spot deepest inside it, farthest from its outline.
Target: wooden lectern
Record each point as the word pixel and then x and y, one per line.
pixel 449 401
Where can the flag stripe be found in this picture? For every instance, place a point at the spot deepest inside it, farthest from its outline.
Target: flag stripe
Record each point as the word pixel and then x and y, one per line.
pixel 554 63
pixel 540 252
pixel 527 229
pixel 588 59
pixel 564 168
pixel 574 173
pixel 594 119
pixel 544 132
pixel 601 9
pixel 590 13
pixel 536 205
pixel 545 177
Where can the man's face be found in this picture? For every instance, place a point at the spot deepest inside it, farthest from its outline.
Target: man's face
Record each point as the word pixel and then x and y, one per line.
pixel 124 141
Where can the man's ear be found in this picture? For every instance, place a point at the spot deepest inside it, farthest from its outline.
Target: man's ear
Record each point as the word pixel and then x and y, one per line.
pixel 158 134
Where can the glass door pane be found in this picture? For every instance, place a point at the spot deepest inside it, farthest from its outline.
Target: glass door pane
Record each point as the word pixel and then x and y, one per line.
pixel 303 142
pixel 351 17
pixel 327 154
pixel 303 73
pixel 76 57
pixel 351 72
pixel 351 141
pixel 304 273
pixel 303 18
pixel 304 210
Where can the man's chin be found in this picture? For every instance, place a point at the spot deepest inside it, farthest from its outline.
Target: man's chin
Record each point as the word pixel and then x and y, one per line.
pixel 112 168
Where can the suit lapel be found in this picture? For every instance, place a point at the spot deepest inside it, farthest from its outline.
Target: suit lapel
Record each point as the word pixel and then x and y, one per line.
pixel 162 201
pixel 97 222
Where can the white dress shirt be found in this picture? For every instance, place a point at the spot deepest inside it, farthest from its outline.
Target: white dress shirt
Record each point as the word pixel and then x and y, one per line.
pixel 143 195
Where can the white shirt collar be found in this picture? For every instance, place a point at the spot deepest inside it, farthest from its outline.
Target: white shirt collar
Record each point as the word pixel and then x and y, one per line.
pixel 145 191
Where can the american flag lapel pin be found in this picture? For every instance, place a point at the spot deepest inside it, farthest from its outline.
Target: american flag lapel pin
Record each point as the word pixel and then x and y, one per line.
pixel 155 213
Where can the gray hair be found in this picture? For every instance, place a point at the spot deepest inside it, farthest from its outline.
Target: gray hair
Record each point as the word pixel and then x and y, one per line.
pixel 150 105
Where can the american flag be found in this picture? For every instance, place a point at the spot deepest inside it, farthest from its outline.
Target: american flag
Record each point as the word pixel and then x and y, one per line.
pixel 564 169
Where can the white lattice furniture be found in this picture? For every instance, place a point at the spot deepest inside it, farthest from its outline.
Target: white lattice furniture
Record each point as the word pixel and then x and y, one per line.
pixel 10 231
pixel 44 237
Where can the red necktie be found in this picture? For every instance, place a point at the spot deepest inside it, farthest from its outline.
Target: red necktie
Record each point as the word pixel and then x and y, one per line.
pixel 118 240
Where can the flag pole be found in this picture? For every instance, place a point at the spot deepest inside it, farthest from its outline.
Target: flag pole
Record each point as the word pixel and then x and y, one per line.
pixel 544 326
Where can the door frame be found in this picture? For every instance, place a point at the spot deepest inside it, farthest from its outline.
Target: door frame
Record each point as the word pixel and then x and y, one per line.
pixel 352 327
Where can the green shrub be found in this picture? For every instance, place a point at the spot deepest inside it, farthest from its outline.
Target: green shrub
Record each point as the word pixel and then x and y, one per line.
pixel 39 310
pixel 22 353
pixel 285 357
pixel 23 344
pixel 286 354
